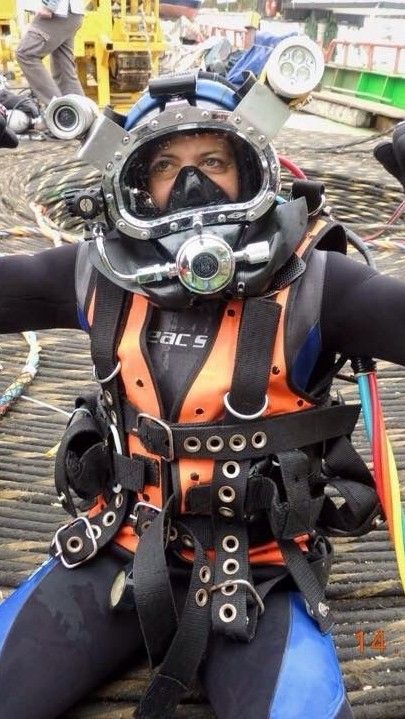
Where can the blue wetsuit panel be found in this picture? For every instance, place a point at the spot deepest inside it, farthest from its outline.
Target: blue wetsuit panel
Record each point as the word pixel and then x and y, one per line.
pixel 10 608
pixel 310 684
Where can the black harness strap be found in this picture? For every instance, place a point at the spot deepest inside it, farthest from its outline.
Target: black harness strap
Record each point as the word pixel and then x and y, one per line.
pixel 183 657
pixel 152 590
pixel 234 608
pixel 308 583
pixel 110 314
pixel 264 436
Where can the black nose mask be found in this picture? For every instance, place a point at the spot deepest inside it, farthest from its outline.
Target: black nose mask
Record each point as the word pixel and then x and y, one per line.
pixel 194 189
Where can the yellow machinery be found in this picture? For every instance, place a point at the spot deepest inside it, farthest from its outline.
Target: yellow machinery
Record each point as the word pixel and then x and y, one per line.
pixel 117 49
pixel 9 35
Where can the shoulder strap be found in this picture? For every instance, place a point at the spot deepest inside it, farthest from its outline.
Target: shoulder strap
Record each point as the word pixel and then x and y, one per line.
pixel 110 313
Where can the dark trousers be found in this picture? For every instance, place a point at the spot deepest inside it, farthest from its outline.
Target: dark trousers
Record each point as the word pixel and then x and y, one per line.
pixel 50 36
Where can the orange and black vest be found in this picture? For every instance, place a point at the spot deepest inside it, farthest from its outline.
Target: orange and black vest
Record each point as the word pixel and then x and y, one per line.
pixel 241 470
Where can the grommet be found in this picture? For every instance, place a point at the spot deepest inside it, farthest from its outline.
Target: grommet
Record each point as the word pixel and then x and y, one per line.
pixel 229 589
pixel 226 512
pixel 109 519
pixel 201 597
pixel 323 609
pixel 231 469
pixel 108 397
pixel 226 494
pixel 259 440
pixel 145 525
pixel 74 545
pixel 118 501
pixel 230 543
pixel 173 534
pixel 230 566
pixel 114 418
pixel 205 574
pixel 237 442
pixel 227 613
pixel 96 531
pixel 192 444
pixel 214 443
pixel 187 541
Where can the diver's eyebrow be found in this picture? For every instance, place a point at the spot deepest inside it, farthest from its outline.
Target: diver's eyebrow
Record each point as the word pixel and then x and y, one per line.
pixel 164 154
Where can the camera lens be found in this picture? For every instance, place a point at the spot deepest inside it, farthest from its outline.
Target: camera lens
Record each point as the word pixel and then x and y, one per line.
pixel 66 118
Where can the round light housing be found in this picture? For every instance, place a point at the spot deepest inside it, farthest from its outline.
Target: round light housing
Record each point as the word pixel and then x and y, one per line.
pixel 295 66
pixel 70 116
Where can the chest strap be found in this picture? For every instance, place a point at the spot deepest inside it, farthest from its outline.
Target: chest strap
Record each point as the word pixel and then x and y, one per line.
pixel 235 439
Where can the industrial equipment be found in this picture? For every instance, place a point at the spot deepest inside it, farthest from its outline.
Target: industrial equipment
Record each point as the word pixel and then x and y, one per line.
pixel 9 36
pixel 117 50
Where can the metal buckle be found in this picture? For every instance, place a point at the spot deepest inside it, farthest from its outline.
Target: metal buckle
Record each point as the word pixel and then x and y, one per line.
pixel 89 533
pixel 135 513
pixel 161 423
pixel 243 583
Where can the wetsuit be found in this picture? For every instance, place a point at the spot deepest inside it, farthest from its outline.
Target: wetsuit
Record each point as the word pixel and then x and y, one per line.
pixel 289 670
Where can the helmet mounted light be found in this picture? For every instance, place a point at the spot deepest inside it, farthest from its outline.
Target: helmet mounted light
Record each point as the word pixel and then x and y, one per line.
pixel 295 67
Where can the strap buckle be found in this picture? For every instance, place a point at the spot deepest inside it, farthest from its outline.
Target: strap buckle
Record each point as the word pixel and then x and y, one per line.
pixel 167 429
pixel 89 532
pixel 135 512
pixel 232 584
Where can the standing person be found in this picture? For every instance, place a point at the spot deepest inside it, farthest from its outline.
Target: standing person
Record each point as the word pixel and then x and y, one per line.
pixel 51 32
pixel 215 312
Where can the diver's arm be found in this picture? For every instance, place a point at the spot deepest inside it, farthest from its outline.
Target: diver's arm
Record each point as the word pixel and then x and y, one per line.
pixel 363 312
pixel 38 291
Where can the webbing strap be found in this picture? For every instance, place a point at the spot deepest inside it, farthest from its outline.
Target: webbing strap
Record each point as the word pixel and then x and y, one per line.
pixel 257 335
pixel 152 589
pixel 307 583
pixel 179 667
pixel 236 615
pixel 264 436
pixel 109 317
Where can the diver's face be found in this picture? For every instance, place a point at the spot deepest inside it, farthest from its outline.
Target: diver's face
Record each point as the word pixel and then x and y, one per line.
pixel 210 153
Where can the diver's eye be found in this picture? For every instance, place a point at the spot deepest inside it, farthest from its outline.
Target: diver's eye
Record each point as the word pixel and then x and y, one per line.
pixel 162 167
pixel 216 164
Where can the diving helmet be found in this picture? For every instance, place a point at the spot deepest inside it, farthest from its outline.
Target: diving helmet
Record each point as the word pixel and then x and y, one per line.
pixel 189 185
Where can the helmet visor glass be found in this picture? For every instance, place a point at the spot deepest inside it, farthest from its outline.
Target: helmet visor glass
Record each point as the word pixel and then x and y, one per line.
pixel 189 169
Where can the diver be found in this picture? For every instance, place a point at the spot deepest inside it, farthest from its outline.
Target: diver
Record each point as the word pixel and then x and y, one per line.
pixel 215 313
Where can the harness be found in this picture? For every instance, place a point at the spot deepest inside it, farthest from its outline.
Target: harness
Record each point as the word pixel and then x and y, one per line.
pixel 230 485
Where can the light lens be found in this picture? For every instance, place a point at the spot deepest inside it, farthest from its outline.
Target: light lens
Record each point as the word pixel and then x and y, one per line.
pixel 295 67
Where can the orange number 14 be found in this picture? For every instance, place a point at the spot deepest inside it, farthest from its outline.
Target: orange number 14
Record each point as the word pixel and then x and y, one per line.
pixel 377 643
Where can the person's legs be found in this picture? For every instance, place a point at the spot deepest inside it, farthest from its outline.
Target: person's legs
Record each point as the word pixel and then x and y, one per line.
pixel 43 37
pixel 63 65
pixel 59 639
pixel 289 671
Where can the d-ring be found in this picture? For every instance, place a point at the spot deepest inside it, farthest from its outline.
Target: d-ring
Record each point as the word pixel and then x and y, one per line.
pixel 110 376
pixel 239 415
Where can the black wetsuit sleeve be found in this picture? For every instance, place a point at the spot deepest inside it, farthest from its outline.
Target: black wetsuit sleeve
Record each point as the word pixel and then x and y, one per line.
pixel 363 311
pixel 38 291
